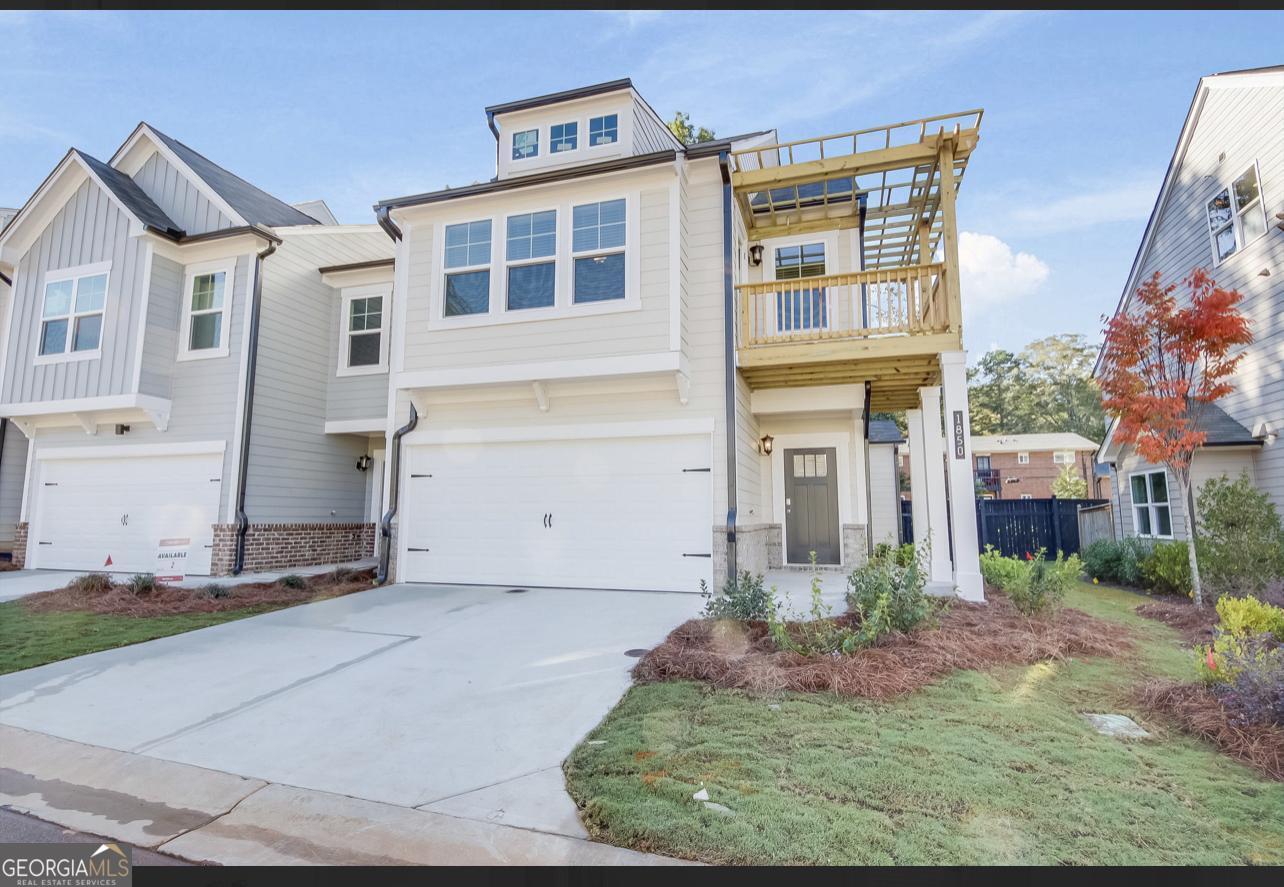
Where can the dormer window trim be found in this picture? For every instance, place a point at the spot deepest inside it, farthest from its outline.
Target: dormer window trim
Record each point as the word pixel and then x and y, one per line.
pixel 528 149
pixel 554 146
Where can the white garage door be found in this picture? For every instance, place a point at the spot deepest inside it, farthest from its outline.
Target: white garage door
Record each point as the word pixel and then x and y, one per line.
pixel 630 513
pixel 89 510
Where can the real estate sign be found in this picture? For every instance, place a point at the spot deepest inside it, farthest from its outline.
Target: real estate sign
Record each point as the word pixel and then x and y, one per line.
pixel 171 560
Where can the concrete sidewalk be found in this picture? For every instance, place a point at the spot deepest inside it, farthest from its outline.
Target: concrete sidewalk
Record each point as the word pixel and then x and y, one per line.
pixel 204 815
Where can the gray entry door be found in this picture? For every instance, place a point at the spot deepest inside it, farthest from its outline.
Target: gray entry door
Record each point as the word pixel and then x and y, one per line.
pixel 811 506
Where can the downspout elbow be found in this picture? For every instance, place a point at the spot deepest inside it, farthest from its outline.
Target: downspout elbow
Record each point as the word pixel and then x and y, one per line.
pixel 385 525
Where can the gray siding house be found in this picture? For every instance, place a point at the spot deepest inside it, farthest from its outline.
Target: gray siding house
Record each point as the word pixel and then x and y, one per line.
pixel 1221 207
pixel 168 355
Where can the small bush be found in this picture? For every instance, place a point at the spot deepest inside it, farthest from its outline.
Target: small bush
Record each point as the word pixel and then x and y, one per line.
pixel 1241 541
pixel 1242 617
pixel 1255 695
pixel 890 590
pixel 93 583
pixel 822 635
pixel 1167 568
pixel 214 591
pixel 292 580
pixel 1042 584
pixel 997 570
pixel 1119 562
pixel 141 583
pixel 343 574
pixel 1248 635
pixel 901 555
pixel 743 598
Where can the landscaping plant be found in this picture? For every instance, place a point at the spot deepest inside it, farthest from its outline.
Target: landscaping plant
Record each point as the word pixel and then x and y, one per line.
pixel 1161 365
pixel 1034 583
pixel 141 583
pixel 1249 633
pixel 1166 568
pixel 1241 540
pixel 821 635
pixel 997 570
pixel 292 580
pixel 891 590
pixel 743 598
pixel 94 583
pixel 1255 695
pixel 1070 484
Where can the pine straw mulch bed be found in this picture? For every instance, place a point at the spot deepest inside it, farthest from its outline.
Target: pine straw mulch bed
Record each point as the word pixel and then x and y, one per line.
pixel 732 655
pixel 7 566
pixel 1195 624
pixel 169 600
pixel 1197 711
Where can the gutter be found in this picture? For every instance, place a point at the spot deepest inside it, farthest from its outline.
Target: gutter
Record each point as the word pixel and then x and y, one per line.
pixel 243 522
pixel 729 358
pixel 394 483
pixel 383 215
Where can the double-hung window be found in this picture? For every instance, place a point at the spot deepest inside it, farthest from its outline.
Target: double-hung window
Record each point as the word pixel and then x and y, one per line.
pixel 1236 215
pixel 563 137
pixel 526 144
pixel 1063 457
pixel 531 256
pixel 364 347
pixel 800 308
pixel 1150 509
pixel 597 250
pixel 207 290
pixel 71 314
pixel 603 130
pixel 467 263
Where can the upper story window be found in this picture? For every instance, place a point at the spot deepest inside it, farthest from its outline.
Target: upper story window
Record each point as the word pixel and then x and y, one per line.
pixel 603 130
pixel 1150 509
pixel 982 463
pixel 71 315
pixel 1063 457
pixel 531 255
pixel 526 144
pixel 597 246
pixel 800 308
pixel 363 345
pixel 563 137
pixel 206 293
pixel 1023 458
pixel 467 263
pixel 1236 215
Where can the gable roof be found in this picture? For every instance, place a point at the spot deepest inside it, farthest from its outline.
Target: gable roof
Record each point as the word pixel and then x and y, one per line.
pixel 1220 428
pixel 255 206
pixel 1031 443
pixel 133 197
pixel 884 431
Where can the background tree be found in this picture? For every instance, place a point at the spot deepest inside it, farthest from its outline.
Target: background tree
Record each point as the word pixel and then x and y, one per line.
pixel 687 134
pixel 1048 387
pixel 1160 368
pixel 1069 484
pixel 999 397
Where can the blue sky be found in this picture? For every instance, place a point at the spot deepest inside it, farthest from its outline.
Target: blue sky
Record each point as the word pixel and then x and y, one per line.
pixel 1082 109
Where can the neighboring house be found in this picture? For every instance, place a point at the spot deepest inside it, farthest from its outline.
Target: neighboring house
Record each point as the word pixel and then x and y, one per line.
pixel 629 363
pixel 1024 466
pixel 177 365
pixel 1221 207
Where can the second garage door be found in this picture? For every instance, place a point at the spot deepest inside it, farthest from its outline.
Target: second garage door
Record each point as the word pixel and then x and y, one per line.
pixel 624 513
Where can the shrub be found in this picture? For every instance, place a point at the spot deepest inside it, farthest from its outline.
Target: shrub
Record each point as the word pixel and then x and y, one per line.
pixel 1167 568
pixel 214 591
pixel 141 583
pixel 343 574
pixel 902 555
pixel 1041 584
pixel 1242 617
pixel 292 580
pixel 1241 541
pixel 998 570
pixel 1248 635
pixel 94 583
pixel 890 590
pixel 743 598
pixel 1120 562
pixel 1255 695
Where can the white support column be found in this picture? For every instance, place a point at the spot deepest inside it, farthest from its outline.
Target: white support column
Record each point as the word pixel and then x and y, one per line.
pixel 933 457
pixel 918 473
pixel 967 561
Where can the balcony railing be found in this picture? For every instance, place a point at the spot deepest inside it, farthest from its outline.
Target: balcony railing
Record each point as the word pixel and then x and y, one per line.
pixel 988 479
pixel 908 300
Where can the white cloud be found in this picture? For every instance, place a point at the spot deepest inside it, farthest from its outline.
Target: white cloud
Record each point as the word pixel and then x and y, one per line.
pixel 991 273
pixel 1129 198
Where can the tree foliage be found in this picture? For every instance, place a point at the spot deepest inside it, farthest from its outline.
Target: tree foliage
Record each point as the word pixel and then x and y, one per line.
pixel 1047 387
pixel 1163 362
pixel 687 134
pixel 1070 484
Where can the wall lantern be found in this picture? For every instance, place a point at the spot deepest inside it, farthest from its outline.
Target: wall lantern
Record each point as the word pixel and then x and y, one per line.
pixel 363 462
pixel 755 255
pixel 764 445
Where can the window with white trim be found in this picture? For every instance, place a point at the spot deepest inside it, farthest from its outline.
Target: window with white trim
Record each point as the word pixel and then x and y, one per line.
pixel 1236 215
pixel 530 254
pixel 797 308
pixel 71 314
pixel 597 251
pixel 526 144
pixel 1151 512
pixel 363 347
pixel 1063 457
pixel 563 137
pixel 1023 458
pixel 1027 495
pixel 207 290
pixel 603 130
pixel 467 262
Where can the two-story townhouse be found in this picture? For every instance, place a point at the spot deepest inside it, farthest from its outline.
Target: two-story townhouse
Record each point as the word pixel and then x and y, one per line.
pixel 1220 207
pixel 171 349
pixel 629 363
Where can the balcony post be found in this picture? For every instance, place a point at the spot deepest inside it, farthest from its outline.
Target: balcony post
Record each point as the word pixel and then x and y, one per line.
pixel 950 235
pixel 967 561
pixel 932 446
pixel 918 473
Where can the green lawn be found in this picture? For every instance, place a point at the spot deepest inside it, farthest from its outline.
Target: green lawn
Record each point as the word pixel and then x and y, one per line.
pixel 31 639
pixel 995 767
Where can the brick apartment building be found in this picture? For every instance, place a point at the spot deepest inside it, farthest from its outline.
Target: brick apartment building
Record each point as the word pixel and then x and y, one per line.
pixel 1023 466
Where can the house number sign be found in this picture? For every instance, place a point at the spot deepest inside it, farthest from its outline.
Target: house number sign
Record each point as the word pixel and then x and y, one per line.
pixel 958 434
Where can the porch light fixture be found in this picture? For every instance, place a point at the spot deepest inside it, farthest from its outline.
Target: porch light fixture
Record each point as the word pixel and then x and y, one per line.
pixel 363 462
pixel 764 445
pixel 755 257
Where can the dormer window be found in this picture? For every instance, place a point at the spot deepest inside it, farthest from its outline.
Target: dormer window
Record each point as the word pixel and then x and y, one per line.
pixel 526 144
pixel 563 137
pixel 604 130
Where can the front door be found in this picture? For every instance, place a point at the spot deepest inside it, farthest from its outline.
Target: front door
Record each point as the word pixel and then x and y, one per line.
pixel 811 506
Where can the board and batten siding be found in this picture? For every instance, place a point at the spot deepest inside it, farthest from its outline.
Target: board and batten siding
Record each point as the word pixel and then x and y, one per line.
pixel 1244 124
pixel 90 228
pixel 181 200
pixel 297 472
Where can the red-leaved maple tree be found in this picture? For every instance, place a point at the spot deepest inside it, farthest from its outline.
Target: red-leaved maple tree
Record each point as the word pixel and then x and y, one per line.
pixel 1163 362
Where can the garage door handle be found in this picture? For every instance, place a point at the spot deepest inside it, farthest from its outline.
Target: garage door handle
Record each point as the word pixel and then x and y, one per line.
pixel 697 555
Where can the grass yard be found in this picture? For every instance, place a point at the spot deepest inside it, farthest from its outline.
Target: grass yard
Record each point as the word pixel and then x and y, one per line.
pixel 29 639
pixel 982 767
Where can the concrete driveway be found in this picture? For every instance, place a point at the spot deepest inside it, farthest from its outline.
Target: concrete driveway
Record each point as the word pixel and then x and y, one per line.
pixel 457 700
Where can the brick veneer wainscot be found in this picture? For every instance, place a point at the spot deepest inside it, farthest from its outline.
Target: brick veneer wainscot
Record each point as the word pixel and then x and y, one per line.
pixel 20 545
pixel 282 546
